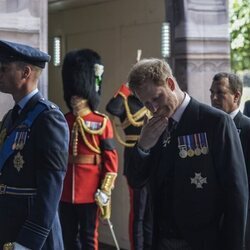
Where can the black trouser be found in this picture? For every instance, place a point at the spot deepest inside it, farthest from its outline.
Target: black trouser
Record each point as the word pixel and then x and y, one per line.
pixel 79 226
pixel 173 244
pixel 247 236
pixel 141 219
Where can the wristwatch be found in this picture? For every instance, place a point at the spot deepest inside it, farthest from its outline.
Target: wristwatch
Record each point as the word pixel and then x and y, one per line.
pixel 8 246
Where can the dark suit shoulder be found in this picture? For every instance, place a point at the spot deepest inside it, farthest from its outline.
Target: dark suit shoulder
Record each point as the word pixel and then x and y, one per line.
pixel 207 113
pixel 242 121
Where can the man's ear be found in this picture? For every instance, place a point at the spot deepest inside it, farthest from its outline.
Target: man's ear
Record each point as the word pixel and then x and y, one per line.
pixel 237 96
pixel 26 72
pixel 170 83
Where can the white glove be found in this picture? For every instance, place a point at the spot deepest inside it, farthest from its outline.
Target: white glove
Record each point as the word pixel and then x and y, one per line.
pixel 101 197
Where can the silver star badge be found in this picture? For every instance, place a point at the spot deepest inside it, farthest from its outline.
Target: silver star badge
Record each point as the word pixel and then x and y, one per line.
pixel 18 161
pixel 198 180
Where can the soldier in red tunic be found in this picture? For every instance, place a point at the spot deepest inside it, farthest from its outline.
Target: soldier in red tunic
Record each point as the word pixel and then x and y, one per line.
pixel 92 165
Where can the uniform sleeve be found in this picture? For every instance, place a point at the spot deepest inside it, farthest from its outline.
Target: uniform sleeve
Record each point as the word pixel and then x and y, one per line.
pixel 109 153
pixel 138 168
pixel 51 143
pixel 115 106
pixel 231 170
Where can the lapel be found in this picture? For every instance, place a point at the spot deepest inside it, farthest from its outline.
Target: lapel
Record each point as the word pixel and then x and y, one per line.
pixel 189 118
pixel 168 155
pixel 29 106
pixel 238 119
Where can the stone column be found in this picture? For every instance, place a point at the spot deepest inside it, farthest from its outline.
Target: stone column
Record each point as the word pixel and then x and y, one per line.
pixel 24 21
pixel 200 43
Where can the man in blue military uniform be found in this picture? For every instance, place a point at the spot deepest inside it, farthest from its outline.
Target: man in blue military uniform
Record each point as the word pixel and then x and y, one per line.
pixel 192 157
pixel 34 141
pixel 226 91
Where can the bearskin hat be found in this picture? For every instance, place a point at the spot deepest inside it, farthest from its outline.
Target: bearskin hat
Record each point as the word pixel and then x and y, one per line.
pixel 79 76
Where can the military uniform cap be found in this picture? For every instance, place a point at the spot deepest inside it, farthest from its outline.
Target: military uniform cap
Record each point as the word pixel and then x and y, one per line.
pixel 10 51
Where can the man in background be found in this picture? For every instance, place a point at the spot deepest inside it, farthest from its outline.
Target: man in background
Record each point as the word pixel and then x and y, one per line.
pixel 226 92
pixel 246 110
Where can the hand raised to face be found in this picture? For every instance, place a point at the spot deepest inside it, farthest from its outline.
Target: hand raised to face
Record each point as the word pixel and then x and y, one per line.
pixel 151 131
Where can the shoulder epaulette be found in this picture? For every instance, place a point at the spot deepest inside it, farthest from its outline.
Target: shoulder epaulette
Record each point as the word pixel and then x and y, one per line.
pixel 48 104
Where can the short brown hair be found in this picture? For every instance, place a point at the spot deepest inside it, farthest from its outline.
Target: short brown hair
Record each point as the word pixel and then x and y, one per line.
pixel 153 69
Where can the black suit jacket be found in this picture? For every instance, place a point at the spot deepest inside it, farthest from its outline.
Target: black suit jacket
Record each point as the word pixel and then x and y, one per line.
pixel 211 217
pixel 33 221
pixel 242 123
pixel 247 108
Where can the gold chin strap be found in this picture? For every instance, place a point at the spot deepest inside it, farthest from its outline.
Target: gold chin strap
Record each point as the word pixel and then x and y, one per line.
pixel 132 119
pixel 80 126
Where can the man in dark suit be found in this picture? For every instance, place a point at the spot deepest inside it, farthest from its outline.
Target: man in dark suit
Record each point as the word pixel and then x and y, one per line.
pixel 192 157
pixel 226 92
pixel 246 110
pixel 34 141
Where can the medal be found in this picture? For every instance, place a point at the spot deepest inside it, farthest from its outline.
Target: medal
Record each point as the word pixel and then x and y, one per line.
pixel 204 150
pixel 183 153
pixel 197 151
pixel 190 152
pixel 198 180
pixel 166 141
pixel 18 161
pixel 20 138
pixel 204 143
pixel 182 147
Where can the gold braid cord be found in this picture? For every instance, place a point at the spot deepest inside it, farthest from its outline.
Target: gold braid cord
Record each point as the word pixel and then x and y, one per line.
pixel 118 137
pixel 132 119
pixel 80 126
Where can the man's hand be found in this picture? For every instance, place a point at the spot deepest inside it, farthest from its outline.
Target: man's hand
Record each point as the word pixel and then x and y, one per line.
pixel 104 203
pixel 103 195
pixel 151 131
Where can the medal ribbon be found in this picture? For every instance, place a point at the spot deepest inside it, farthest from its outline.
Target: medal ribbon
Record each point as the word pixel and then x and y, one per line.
pixel 6 150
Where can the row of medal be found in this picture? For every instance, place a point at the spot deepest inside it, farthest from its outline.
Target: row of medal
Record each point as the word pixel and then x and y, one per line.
pixel 19 143
pixel 93 125
pixel 20 140
pixel 193 145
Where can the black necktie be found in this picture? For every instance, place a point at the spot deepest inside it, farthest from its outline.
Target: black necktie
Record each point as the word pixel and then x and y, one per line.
pixel 15 113
pixel 171 125
pixel 170 128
